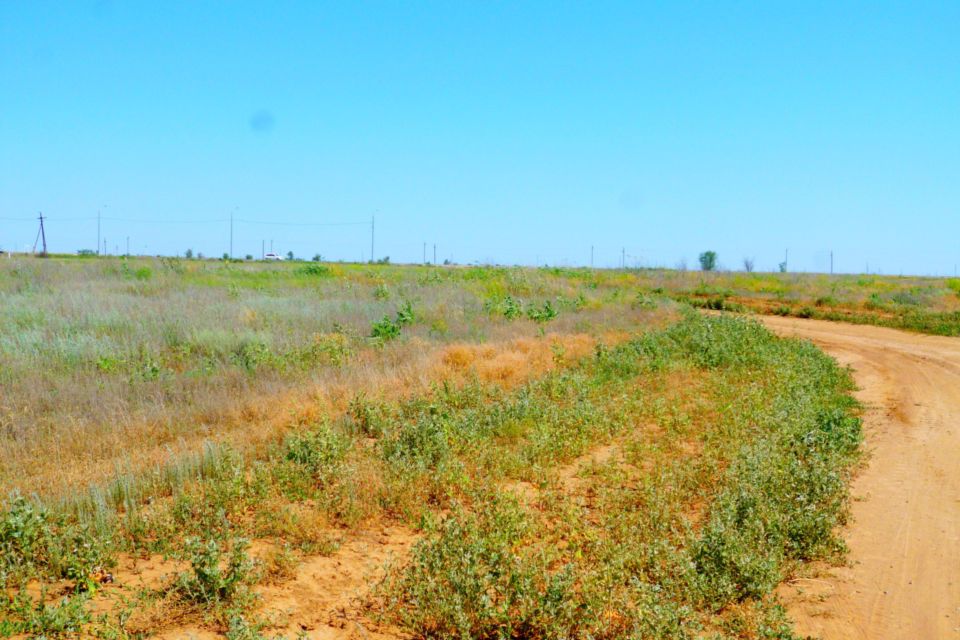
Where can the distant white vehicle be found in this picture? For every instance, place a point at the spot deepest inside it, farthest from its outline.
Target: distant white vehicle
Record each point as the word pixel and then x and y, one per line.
pixel 273 256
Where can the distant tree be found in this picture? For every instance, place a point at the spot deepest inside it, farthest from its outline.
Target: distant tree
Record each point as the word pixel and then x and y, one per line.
pixel 86 252
pixel 226 256
pixel 249 256
pixel 782 267
pixel 317 257
pixel 289 255
pixel 748 265
pixel 188 254
pixel 708 260
pixel 199 255
pixel 682 264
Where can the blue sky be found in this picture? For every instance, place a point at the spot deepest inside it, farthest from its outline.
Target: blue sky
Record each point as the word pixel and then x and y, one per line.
pixel 504 132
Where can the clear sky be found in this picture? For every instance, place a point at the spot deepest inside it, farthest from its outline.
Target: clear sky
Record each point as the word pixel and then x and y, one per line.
pixel 511 132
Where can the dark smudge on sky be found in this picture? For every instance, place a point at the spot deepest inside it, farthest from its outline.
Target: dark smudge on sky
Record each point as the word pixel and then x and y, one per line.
pixel 262 121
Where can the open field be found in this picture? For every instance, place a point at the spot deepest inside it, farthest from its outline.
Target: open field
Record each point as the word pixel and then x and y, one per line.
pixel 922 304
pixel 334 451
pixel 114 364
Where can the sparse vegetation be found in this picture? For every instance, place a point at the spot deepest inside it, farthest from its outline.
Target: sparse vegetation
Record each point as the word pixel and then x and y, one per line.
pixel 925 305
pixel 461 407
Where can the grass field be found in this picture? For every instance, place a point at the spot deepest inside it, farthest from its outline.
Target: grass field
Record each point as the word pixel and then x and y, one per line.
pixel 551 453
pixel 925 305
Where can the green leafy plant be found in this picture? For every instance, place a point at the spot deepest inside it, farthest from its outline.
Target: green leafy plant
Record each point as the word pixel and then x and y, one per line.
pixel 388 328
pixel 321 450
pixel 315 270
pixel 381 292
pixel 542 314
pixel 213 579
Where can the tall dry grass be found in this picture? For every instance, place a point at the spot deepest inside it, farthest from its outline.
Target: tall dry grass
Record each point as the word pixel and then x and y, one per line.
pixel 110 366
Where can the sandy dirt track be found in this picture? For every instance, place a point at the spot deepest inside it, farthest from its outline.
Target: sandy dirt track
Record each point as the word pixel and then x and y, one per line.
pixel 903 578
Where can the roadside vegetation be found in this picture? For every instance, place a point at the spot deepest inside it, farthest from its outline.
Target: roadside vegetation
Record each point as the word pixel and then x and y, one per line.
pixel 924 305
pixel 254 418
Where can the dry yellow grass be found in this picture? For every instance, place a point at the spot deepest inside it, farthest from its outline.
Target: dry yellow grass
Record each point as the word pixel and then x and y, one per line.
pixel 398 372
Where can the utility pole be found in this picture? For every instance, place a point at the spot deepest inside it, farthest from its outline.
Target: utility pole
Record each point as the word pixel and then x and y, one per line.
pixel 41 234
pixel 786 260
pixel 831 263
pixel 263 244
pixel 372 224
pixel 424 253
pixel 231 233
pixel 623 257
pixel 128 246
pixel 591 256
pixel 104 246
pixel 434 253
pixel 98 231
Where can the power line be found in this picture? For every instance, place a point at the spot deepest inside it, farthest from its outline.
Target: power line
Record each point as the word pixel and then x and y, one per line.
pixel 212 221
pixel 302 224
pixel 203 221
pixel 48 218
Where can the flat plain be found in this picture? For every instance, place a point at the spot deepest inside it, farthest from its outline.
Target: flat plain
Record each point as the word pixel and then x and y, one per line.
pixel 248 450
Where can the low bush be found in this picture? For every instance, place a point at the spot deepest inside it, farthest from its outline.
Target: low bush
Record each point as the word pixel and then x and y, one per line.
pixel 315 270
pixel 321 450
pixel 216 580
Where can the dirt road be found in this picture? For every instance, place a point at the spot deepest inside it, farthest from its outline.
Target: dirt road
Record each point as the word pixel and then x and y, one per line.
pixel 904 575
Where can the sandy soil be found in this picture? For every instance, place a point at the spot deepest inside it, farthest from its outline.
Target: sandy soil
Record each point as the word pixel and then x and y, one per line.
pixel 903 578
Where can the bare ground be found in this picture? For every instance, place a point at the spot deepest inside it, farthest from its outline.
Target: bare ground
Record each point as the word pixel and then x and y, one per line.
pixel 903 575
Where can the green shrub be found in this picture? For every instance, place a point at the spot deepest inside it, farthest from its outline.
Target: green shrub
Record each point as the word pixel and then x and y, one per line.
pixel 321 450
pixel 422 443
pixel 543 314
pixel 385 329
pixel 509 307
pixel 388 328
pixel 315 270
pixel 65 618
pixel 214 580
pixel 25 533
pixel 405 314
pixel 251 354
pixel 381 292
pixel 366 417
pixel 36 543
pixel 469 582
